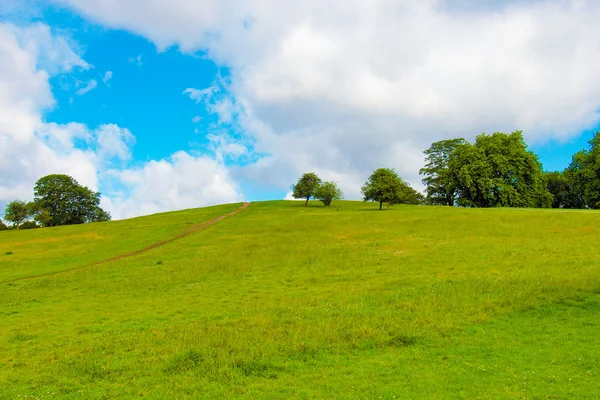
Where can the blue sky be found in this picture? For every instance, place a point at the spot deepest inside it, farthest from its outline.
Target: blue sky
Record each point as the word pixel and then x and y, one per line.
pixel 172 106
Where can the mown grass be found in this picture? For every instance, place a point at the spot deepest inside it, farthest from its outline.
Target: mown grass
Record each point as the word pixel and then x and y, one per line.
pixel 341 302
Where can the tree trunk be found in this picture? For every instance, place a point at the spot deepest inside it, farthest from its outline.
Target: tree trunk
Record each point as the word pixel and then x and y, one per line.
pixel 380 204
pixel 308 198
pixel 389 205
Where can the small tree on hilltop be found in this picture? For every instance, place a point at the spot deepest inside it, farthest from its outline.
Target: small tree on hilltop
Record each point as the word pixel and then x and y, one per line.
pixel 16 212
pixel 327 192
pixel 385 186
pixel 61 200
pixel 306 186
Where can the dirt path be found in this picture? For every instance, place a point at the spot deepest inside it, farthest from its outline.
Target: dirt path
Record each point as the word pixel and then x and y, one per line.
pixel 192 229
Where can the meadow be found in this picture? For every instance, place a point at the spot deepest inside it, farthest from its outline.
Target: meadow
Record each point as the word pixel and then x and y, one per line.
pixel 286 301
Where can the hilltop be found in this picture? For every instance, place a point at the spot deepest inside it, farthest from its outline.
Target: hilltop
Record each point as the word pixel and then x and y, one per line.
pixel 281 300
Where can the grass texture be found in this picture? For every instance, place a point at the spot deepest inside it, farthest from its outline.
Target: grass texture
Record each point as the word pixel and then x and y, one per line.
pixel 286 301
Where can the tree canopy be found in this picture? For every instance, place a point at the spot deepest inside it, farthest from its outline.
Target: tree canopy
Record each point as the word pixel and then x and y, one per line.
pixel 61 200
pixel 440 185
pixel 496 171
pixel 16 212
pixel 583 176
pixel 327 192
pixel 306 186
pixel 385 186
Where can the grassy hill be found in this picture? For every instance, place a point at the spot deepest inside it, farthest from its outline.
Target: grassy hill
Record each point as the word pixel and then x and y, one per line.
pixel 280 301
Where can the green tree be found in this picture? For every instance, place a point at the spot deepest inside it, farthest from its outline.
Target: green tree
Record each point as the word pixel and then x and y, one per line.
pixel 16 212
pixel 306 186
pixel 498 171
pixel 29 225
pixel 385 186
pixel 439 182
pixel 3 226
pixel 327 192
pixel 61 200
pixel 559 185
pixel 583 175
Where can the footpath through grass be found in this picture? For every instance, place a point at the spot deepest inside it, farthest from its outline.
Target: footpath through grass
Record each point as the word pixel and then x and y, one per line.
pixel 346 302
pixel 40 251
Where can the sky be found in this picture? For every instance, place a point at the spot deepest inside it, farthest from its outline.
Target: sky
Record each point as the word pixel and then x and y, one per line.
pixel 179 104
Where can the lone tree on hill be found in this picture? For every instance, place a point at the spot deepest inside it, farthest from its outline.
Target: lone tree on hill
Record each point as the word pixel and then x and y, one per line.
pixel 327 192
pixel 60 200
pixel 16 212
pixel 385 186
pixel 306 186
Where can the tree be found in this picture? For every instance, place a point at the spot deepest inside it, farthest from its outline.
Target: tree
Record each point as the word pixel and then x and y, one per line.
pixel 385 186
pixel 583 175
pixel 498 171
pixel 559 185
pixel 441 188
pixel 3 226
pixel 306 186
pixel 327 192
pixel 61 200
pixel 16 212
pixel 29 225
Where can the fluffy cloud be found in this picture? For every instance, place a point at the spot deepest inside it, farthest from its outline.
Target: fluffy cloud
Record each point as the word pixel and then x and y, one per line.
pixel 98 158
pixel 28 147
pixel 183 180
pixel 349 86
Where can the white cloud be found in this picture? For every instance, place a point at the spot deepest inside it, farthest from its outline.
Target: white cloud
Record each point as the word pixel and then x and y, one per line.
pixel 199 95
pixel 181 181
pixel 31 148
pixel 87 88
pixel 196 119
pixel 356 85
pixel 107 76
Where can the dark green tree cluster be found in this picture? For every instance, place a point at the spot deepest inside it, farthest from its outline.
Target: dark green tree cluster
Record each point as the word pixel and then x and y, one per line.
pixel 58 200
pixel 311 186
pixel 496 171
pixel 578 186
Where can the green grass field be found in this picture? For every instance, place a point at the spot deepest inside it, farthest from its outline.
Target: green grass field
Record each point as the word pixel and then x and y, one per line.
pixel 283 301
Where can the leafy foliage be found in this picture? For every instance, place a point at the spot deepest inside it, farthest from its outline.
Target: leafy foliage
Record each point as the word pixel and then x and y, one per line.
pixel 16 212
pixel 327 192
pixel 498 171
pixel 583 175
pixel 385 186
pixel 441 188
pixel 3 226
pixel 306 186
pixel 559 185
pixel 60 200
pixel 30 225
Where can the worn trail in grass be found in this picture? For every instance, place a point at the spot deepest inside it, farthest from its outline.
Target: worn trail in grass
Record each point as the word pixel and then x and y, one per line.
pixel 67 248
pixel 345 302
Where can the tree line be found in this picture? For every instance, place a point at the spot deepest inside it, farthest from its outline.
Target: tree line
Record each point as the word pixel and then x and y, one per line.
pixel 58 200
pixel 497 170
pixel 383 186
